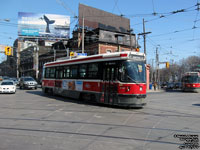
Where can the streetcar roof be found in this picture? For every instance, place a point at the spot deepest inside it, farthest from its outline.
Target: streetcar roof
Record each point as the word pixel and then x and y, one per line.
pixel 137 56
pixel 192 73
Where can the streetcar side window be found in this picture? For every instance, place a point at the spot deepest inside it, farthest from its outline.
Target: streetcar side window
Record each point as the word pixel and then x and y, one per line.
pixel 74 71
pixel 66 72
pixel 83 71
pixel 49 72
pixel 52 73
pixel 93 71
pixel 60 75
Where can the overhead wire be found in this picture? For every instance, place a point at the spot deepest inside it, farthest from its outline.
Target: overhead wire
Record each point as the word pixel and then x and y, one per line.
pixel 195 21
pixel 154 12
pixel 116 1
pixel 166 14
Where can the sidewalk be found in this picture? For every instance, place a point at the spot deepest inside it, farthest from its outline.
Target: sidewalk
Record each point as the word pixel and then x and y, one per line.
pixel 155 91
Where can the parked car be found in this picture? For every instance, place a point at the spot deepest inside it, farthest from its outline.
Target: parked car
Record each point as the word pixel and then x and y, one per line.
pixel 27 83
pixel 5 78
pixel 170 85
pixel 7 86
pixel 164 85
pixel 178 85
pixel 15 80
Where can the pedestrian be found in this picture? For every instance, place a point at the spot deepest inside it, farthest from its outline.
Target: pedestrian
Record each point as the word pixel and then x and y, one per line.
pixel 154 85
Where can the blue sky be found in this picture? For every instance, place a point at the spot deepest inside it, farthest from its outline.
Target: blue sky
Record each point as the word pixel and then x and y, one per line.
pixel 173 34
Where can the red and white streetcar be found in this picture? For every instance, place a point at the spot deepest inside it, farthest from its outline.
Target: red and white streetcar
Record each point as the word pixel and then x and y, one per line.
pixel 191 82
pixel 112 78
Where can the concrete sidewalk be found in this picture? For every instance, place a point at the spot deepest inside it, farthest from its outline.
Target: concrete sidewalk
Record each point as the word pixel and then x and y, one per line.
pixel 155 91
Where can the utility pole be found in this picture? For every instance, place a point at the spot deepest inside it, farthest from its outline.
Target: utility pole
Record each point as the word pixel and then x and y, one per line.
pixel 144 36
pixel 36 51
pixel 157 67
pixel 83 35
pixel 152 70
pixel 54 54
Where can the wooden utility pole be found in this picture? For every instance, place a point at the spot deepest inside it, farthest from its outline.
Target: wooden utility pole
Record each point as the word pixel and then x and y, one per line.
pixel 83 36
pixel 144 36
pixel 157 67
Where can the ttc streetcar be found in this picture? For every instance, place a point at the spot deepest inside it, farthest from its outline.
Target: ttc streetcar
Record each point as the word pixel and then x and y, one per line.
pixel 112 78
pixel 191 82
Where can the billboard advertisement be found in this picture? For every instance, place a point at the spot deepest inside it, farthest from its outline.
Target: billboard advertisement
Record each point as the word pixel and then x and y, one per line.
pixel 43 25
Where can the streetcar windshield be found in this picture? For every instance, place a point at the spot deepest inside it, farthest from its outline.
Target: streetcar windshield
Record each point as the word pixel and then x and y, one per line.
pixel 131 71
pixel 193 79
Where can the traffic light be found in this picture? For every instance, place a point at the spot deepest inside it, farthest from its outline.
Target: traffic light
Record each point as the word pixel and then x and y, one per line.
pixel 167 64
pixel 8 50
pixel 137 49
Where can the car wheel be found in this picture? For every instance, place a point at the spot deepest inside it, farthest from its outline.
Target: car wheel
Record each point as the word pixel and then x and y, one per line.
pixel 35 88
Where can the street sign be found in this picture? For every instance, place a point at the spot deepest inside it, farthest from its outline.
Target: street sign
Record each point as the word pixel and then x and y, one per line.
pixel 81 54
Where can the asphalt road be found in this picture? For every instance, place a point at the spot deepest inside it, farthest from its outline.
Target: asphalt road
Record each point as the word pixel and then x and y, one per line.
pixel 30 120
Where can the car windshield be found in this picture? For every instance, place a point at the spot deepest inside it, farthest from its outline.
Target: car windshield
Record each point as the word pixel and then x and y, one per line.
pixel 7 83
pixel 29 79
pixel 132 71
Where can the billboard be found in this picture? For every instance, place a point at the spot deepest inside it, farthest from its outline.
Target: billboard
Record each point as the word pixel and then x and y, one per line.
pixel 43 25
pixel 96 18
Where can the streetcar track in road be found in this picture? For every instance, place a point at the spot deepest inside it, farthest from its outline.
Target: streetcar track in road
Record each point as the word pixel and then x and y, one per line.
pixel 88 134
pixel 128 112
pixel 66 110
pixel 150 130
pixel 174 113
pixel 97 124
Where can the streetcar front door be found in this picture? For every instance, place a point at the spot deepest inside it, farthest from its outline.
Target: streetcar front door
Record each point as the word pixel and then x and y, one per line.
pixel 109 84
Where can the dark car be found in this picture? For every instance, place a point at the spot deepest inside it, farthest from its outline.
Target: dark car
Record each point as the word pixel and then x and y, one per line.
pixel 178 85
pixel 170 85
pixel 27 83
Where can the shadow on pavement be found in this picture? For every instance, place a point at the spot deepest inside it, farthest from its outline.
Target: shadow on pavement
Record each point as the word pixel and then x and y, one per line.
pixel 173 90
pixel 196 104
pixel 77 101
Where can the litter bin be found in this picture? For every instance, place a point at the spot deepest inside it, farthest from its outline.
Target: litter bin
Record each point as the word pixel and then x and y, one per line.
pixel 150 86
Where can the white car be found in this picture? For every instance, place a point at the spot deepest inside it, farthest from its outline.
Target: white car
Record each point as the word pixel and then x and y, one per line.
pixel 7 86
